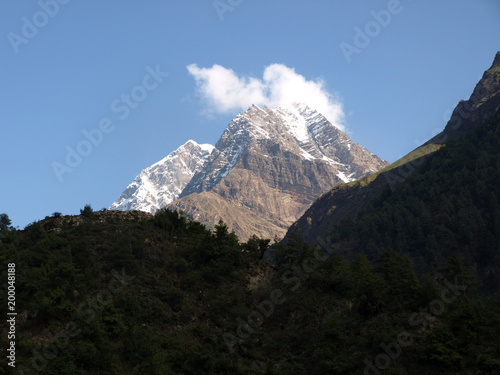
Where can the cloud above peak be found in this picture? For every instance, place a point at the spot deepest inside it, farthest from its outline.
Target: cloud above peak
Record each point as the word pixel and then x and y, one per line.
pixel 224 91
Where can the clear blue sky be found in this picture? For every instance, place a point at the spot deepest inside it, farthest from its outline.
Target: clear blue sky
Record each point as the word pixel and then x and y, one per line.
pixel 63 76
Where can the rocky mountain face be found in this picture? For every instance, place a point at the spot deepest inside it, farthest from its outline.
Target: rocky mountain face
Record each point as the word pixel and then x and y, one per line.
pixel 163 182
pixel 349 201
pixel 268 166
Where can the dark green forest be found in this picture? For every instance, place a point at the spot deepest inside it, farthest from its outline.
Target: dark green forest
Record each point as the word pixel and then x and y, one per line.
pixel 449 207
pixel 100 294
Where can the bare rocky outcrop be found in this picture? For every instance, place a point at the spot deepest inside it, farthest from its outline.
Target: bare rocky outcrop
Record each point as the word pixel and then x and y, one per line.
pixel 269 166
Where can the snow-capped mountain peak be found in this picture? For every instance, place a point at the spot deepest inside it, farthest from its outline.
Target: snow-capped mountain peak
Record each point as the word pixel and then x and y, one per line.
pixel 296 128
pixel 265 169
pixel 162 182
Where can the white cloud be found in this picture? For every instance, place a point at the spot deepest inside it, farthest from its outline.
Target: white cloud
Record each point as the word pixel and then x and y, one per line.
pixel 224 91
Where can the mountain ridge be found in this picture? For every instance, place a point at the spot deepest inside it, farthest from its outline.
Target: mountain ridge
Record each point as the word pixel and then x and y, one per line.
pixel 273 163
pixel 268 165
pixel 347 202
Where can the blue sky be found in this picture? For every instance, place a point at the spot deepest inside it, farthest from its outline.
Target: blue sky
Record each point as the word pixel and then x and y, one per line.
pixel 67 67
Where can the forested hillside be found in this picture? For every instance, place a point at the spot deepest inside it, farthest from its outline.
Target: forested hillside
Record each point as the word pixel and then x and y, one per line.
pixel 109 293
pixel 448 207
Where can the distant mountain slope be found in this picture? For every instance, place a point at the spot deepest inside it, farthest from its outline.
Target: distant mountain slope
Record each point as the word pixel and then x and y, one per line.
pixel 269 165
pixel 440 199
